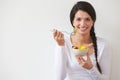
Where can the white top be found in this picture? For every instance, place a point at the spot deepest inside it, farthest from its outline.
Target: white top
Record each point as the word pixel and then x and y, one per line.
pixel 67 67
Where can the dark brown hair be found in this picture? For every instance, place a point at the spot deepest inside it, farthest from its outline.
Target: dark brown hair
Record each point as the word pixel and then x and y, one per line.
pixel 87 7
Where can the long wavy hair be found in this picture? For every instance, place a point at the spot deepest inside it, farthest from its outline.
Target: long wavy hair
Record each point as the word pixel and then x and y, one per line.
pixel 87 7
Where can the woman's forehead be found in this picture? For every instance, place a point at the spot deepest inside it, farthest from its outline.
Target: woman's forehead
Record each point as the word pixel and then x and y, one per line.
pixel 81 13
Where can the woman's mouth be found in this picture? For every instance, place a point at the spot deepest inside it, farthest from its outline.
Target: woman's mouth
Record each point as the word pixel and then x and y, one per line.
pixel 82 28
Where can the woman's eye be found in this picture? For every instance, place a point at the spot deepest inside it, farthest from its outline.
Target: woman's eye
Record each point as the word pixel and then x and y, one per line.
pixel 87 19
pixel 78 19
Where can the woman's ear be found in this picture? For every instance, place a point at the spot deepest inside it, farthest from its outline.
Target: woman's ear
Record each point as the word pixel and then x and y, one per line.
pixel 93 23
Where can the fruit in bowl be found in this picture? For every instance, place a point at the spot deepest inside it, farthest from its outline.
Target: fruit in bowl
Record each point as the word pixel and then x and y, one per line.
pixel 82 50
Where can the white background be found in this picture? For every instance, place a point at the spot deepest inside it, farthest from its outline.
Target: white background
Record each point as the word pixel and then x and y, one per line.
pixel 26 42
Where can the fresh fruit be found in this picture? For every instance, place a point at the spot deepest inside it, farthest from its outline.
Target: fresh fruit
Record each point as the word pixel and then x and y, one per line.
pixel 82 47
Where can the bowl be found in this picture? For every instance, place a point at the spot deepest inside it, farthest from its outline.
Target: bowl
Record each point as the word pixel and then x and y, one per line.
pixel 80 50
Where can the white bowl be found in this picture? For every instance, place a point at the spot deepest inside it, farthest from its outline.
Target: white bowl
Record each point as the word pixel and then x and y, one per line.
pixel 79 52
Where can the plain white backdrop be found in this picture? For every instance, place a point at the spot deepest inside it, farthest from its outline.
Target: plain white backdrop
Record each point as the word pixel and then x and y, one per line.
pixel 26 42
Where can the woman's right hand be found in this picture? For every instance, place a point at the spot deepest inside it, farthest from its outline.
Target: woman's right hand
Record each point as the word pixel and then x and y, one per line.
pixel 59 37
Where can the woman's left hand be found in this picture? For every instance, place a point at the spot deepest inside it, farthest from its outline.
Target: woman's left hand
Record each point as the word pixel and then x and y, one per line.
pixel 85 63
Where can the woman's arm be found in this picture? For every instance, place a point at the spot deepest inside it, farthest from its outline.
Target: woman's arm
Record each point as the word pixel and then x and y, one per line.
pixel 60 55
pixel 60 62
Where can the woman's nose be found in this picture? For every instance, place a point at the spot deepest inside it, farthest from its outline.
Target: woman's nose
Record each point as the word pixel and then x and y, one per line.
pixel 82 23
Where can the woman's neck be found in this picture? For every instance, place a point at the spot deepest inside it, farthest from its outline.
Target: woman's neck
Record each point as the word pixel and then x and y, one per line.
pixel 83 39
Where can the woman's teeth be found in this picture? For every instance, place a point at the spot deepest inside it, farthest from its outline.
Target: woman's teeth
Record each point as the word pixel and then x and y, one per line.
pixel 83 28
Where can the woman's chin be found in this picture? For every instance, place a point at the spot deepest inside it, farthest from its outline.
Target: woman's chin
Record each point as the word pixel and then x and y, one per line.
pixel 82 33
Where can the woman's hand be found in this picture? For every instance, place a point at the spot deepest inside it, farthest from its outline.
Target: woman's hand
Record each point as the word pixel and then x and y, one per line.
pixel 84 63
pixel 59 37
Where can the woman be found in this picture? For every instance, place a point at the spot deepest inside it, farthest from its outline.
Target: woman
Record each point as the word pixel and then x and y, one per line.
pixel 97 64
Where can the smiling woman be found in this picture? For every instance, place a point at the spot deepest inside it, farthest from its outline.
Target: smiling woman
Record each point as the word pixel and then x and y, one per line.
pixel 84 20
pixel 92 65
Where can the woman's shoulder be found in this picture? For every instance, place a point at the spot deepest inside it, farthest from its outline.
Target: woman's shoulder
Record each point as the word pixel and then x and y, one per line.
pixel 102 41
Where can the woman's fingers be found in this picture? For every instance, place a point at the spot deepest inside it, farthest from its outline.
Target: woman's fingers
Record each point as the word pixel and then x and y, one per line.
pixel 56 34
pixel 59 37
pixel 86 63
pixel 80 60
pixel 62 37
pixel 88 57
pixel 89 45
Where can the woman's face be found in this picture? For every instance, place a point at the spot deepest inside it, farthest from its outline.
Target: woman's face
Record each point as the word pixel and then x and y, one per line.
pixel 82 22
